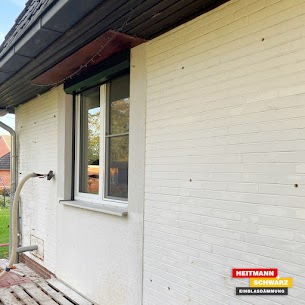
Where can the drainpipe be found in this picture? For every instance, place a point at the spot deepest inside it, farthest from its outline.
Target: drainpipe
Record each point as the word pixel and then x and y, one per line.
pixel 13 169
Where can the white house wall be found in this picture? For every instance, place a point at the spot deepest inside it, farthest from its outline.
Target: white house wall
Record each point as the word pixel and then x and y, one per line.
pixel 97 254
pixel 225 149
pixel 225 146
pixel 37 129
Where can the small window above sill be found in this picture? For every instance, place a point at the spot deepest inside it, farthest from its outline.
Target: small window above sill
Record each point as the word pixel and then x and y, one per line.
pixel 96 207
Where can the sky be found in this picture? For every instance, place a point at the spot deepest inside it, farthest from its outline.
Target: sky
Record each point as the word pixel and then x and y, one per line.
pixel 9 11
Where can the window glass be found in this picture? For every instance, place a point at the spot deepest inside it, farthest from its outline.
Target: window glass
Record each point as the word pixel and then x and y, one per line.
pixel 89 161
pixel 118 167
pixel 119 105
pixel 117 138
pixel 104 118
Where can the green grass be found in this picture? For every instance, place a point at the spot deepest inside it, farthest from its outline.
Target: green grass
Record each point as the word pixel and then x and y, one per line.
pixel 4 229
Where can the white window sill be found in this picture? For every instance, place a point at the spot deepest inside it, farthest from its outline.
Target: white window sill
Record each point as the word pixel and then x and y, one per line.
pixel 96 207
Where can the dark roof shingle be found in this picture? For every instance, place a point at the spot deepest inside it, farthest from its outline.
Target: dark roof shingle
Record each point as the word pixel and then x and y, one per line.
pixel 33 8
pixel 5 162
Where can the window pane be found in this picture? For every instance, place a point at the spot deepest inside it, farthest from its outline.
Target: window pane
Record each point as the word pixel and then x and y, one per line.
pixel 89 141
pixel 118 167
pixel 118 106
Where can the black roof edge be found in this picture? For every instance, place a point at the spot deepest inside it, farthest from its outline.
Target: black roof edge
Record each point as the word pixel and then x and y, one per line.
pixel 56 18
pixel 146 19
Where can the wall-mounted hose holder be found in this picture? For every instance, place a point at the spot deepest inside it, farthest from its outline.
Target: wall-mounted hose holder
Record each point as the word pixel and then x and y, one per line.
pixel 49 175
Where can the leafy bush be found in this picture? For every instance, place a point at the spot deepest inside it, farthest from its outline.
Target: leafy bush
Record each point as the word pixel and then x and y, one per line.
pixel 4 230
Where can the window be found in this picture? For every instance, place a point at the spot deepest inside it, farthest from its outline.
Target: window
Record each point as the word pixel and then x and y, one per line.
pixel 102 140
pixel 89 148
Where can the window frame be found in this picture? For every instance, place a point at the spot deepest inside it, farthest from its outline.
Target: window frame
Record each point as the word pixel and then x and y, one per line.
pixel 103 180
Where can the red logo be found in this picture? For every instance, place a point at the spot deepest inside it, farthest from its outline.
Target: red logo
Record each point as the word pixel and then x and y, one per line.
pixel 254 272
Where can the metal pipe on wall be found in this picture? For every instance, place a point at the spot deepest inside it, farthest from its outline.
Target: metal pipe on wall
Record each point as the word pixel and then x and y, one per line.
pixel 27 249
pixel 14 172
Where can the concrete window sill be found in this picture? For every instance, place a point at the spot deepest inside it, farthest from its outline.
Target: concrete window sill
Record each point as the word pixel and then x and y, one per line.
pixel 106 209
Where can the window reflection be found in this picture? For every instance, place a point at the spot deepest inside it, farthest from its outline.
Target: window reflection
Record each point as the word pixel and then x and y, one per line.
pixel 90 141
pixel 118 167
pixel 117 137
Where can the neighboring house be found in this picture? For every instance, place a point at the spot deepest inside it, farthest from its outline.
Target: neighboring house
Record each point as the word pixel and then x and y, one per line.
pixel 5 158
pixel 189 119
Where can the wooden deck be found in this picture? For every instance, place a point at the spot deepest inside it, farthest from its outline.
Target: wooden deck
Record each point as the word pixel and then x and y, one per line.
pixel 41 292
pixel 38 291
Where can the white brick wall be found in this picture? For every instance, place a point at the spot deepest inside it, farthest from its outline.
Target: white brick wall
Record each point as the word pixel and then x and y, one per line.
pixel 225 146
pixel 37 131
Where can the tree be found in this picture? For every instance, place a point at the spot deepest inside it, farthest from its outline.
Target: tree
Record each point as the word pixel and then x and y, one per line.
pixel 93 138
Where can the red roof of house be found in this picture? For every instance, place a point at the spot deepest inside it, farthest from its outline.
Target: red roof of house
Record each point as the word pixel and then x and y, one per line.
pixel 5 145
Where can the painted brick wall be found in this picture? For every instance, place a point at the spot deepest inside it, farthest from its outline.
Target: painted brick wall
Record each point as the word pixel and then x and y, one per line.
pixel 97 254
pixel 36 125
pixel 225 148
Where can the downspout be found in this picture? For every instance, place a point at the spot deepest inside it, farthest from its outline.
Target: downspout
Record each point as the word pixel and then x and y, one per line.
pixel 13 173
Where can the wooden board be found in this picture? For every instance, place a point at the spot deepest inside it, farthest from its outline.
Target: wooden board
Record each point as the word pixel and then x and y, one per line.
pixel 57 296
pixel 68 292
pixel 23 296
pixel 38 294
pixel 7 298
pixel 41 293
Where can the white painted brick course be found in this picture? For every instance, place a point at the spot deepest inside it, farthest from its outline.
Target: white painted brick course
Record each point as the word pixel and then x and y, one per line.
pixel 225 145
pixel 37 131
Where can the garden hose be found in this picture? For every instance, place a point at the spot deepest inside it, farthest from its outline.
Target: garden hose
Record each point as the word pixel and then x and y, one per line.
pixel 14 231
